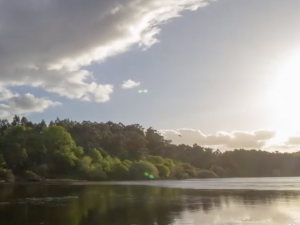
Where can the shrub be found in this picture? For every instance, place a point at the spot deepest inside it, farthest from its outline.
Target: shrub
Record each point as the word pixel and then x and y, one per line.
pixel 191 173
pixel 127 163
pixel 187 166
pixel 86 161
pixel 206 174
pixel 170 164
pixel 31 176
pixel 189 170
pixel 7 175
pixel 97 174
pixel 179 172
pixel 78 151
pixel 220 171
pixel 41 170
pixel 163 171
pixel 2 161
pixel 106 165
pixel 95 155
pixel 120 172
pixel 140 170
pixel 156 160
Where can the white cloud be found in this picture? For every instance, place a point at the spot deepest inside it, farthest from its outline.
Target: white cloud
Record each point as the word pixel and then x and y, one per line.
pixel 236 139
pixel 5 93
pixel 130 84
pixel 24 104
pixel 295 140
pixel 48 43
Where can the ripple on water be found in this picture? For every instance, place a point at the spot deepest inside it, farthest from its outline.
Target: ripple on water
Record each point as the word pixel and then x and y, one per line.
pixel 41 201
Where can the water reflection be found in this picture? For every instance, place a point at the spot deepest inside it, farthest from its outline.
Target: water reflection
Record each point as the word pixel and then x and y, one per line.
pixel 142 205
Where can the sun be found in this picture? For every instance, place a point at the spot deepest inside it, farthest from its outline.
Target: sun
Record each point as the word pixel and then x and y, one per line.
pixel 286 95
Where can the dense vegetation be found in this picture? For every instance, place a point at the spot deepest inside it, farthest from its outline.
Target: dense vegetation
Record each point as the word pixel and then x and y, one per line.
pixel 109 151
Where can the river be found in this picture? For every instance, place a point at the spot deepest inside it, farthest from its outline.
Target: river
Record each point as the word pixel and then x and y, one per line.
pixel 236 201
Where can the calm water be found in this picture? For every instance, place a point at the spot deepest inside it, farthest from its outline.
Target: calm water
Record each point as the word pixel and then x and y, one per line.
pixel 191 202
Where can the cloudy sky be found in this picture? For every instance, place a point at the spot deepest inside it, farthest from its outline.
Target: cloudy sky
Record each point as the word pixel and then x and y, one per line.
pixel 221 73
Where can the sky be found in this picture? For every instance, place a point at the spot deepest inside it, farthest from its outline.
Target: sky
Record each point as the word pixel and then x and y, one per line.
pixel 223 73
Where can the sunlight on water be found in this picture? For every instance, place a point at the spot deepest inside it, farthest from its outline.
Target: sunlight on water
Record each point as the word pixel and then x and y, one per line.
pixel 291 183
pixel 189 202
pixel 278 213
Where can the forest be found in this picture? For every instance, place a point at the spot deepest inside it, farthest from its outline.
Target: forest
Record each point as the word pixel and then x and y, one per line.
pixel 92 151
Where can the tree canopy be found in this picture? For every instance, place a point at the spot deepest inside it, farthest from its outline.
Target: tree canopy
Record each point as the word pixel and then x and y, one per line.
pixel 114 151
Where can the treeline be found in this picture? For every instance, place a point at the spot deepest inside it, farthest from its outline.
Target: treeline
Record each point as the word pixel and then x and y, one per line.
pixel 66 149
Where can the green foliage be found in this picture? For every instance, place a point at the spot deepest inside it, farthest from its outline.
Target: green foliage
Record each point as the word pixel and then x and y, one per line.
pixel 56 138
pixel 187 166
pixel 179 172
pixel 103 152
pixel 97 174
pixel 16 133
pixel 61 149
pixel 169 163
pixel 86 161
pixel 163 171
pixel 85 166
pixel 41 170
pixel 219 171
pixel 156 160
pixel 127 163
pixel 63 161
pixel 78 151
pixel 15 156
pixel 7 175
pixel 31 176
pixel 2 162
pixel 206 174
pixel 138 169
pixel 2 174
pixel 100 151
pixel 95 155
pixel 120 172
pixel 106 165
pixel 189 170
pixel 88 171
pixel 164 165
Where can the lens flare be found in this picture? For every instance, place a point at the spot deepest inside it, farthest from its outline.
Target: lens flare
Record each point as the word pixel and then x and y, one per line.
pixel 145 91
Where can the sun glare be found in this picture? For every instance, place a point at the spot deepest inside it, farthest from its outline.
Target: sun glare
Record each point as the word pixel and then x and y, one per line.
pixel 285 97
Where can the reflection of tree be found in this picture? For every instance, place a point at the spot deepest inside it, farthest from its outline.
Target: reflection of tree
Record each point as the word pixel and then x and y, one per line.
pixel 5 191
pixel 118 205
